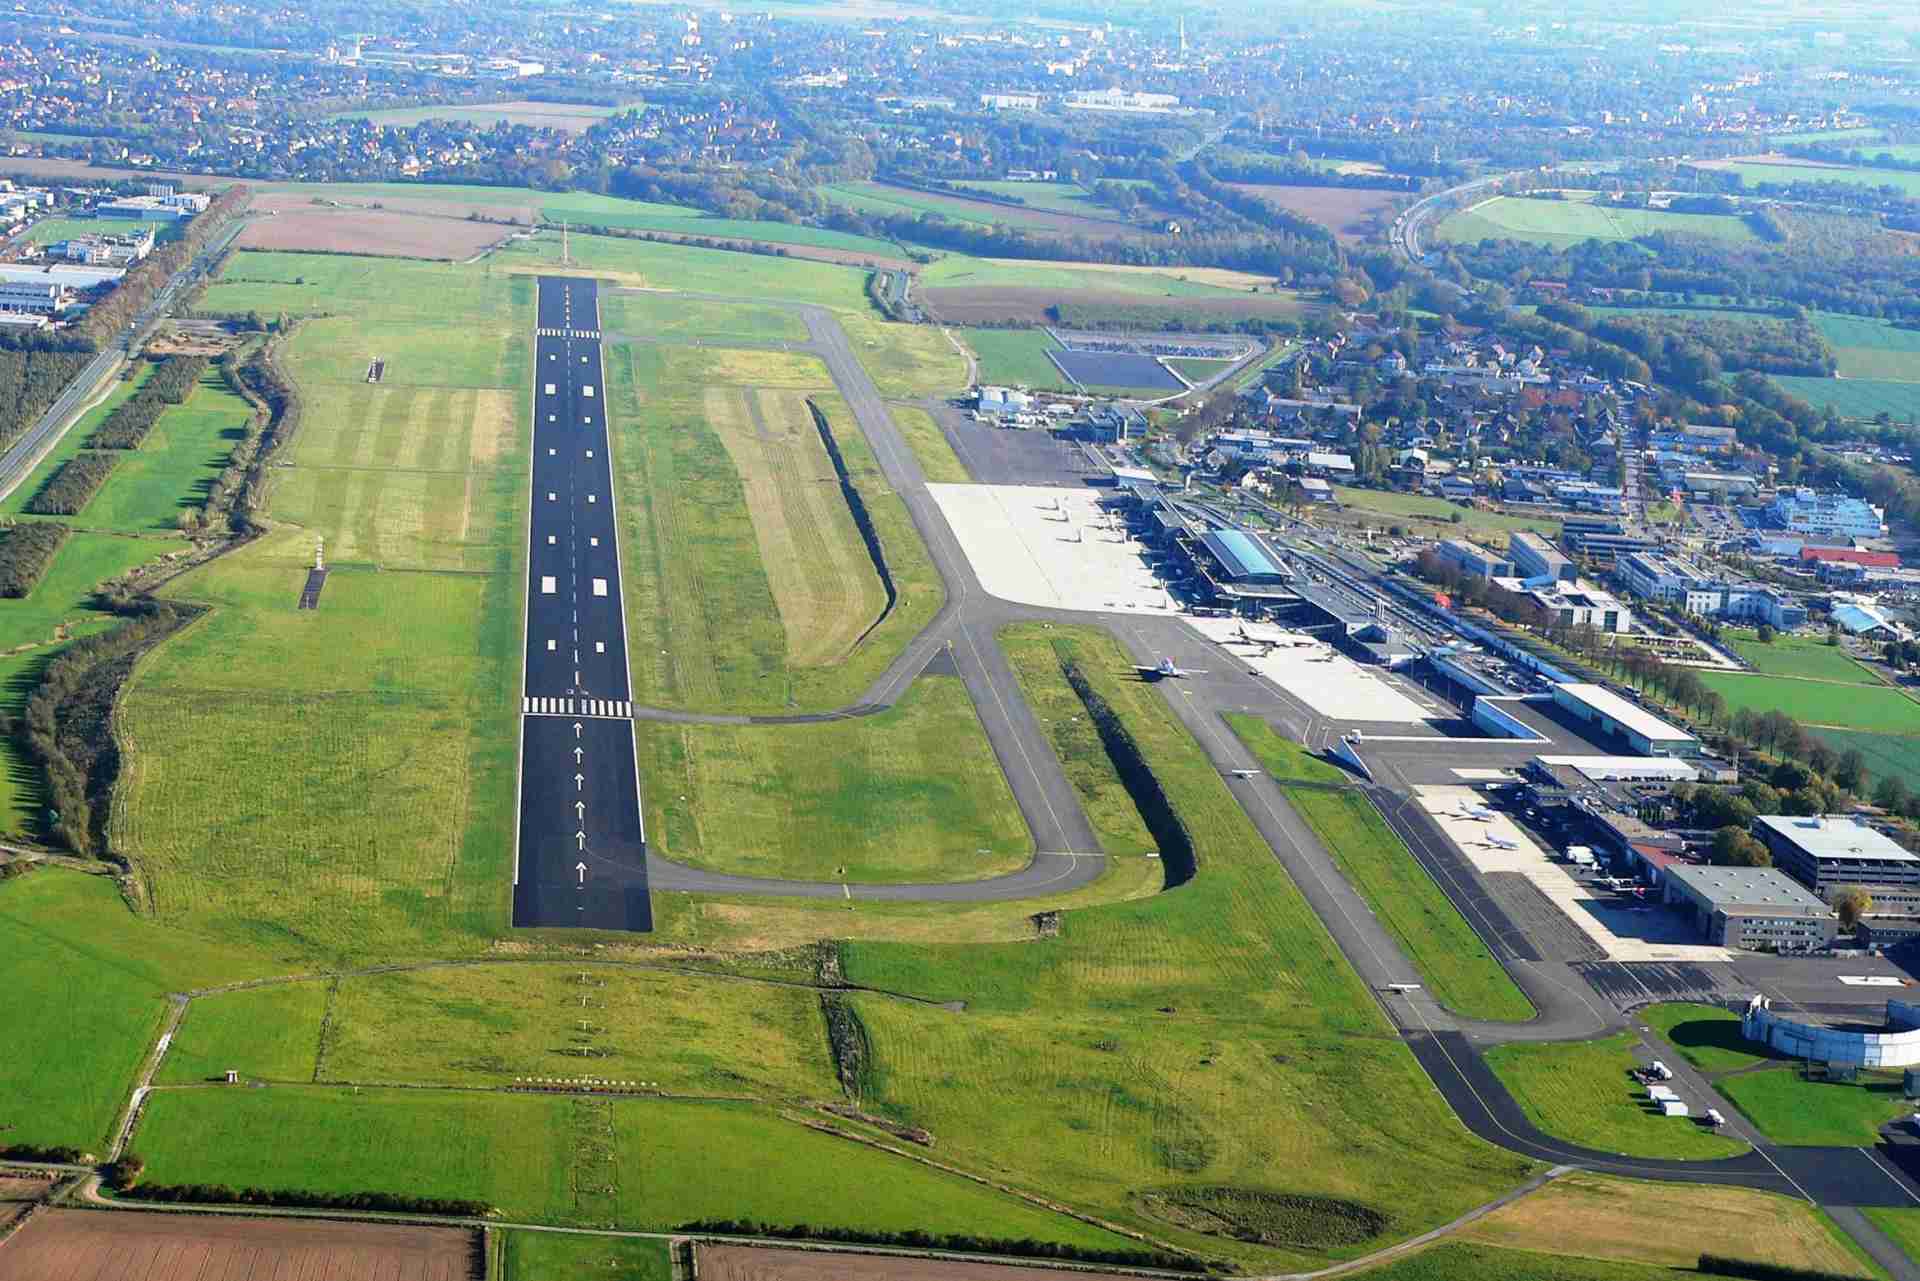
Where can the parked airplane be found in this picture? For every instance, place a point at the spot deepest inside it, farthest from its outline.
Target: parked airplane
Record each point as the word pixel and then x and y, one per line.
pixel 1243 773
pixel 1166 668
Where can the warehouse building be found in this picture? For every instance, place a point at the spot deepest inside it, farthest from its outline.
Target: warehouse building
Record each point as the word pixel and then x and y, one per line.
pixel 1473 559
pixel 1826 851
pixel 1756 908
pixel 33 299
pixel 1535 557
pixel 1644 732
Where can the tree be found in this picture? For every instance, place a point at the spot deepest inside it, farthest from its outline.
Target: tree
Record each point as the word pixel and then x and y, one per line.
pixel 1734 847
pixel 1852 902
pixel 1891 795
pixel 1767 634
pixel 1850 771
pixel 1721 808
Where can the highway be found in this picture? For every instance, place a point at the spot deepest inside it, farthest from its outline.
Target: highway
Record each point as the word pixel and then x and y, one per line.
pixel 20 458
pixel 580 847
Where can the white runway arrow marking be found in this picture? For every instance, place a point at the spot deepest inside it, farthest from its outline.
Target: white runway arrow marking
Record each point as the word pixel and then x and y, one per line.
pixel 581 868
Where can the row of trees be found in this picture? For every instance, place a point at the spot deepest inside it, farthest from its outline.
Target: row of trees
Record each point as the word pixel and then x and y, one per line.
pixel 169 383
pixel 26 550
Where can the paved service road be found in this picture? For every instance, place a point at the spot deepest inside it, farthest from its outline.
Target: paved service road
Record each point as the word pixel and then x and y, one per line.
pixel 580 856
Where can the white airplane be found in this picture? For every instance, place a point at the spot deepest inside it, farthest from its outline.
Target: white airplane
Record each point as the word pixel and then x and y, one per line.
pixel 1165 669
pixel 1243 773
pixel 1502 843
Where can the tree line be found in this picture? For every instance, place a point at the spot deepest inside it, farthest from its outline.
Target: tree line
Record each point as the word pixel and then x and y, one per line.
pixel 169 382
pixel 26 549
pixel 968 1243
pixel 30 381
pixel 73 484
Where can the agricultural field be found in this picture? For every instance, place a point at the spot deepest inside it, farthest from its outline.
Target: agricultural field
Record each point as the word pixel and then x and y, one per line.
pixel 523 1153
pixel 1056 197
pixel 1754 173
pixel 1449 1261
pixel 886 199
pixel 382 232
pixel 912 794
pixel 1878 708
pixel 758 1263
pixel 1807 657
pixel 1560 223
pixel 991 291
pixel 1176 1018
pixel 570 117
pixel 173 1247
pixel 1350 213
pixel 1453 960
pixel 50 230
pixel 1596 1217
pixel 1856 398
pixel 1871 349
pixel 1581 1092
pixel 954 271
pixel 1887 755
pixel 558 1256
pixel 86 991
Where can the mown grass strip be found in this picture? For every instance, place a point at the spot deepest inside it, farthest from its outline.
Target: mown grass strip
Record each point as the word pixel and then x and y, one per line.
pixel 1281 757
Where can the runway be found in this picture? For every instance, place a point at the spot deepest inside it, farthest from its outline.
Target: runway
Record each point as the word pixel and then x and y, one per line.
pixel 580 846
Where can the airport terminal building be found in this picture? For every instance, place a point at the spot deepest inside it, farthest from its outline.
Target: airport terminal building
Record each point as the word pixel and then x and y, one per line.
pixel 1826 851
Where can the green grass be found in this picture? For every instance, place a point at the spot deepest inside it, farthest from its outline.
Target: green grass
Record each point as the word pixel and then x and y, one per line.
pixel 1196 369
pixel 911 794
pixel 1887 755
pixel 84 999
pixel 1282 757
pixel 1452 959
pixel 1561 223
pixel 483 114
pixel 1042 214
pixel 938 463
pixel 1016 357
pixel 1421 507
pixel 675 221
pixel 1858 398
pixel 1581 1092
pixel 1056 197
pixel 1866 707
pixel 1130 1051
pixel 49 230
pixel 662 265
pixel 672 1162
pixel 75 439
pixel 1708 1036
pixel 485 1025
pixel 1790 1110
pixel 678 318
pixel 556 1256
pixel 1903 1225
pixel 264 1033
pixel 905 361
pixel 1803 656
pixel 1452 1261
pixel 1906 182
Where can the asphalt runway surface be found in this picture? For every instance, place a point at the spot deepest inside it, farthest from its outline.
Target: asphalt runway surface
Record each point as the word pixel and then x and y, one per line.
pixel 580 856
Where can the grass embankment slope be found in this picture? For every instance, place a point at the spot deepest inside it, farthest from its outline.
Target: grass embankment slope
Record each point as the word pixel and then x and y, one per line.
pixel 1582 1092
pixel 1181 1059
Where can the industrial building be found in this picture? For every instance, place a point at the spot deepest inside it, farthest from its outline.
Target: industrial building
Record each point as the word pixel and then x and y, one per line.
pixel 1671 580
pixel 1802 511
pixel 1827 851
pixel 172 207
pixel 1644 732
pixel 1534 557
pixel 1583 605
pixel 1473 559
pixel 1600 541
pixel 1757 908
pixel 35 299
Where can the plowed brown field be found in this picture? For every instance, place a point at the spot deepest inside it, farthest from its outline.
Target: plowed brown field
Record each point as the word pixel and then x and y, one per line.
pixel 1348 212
pixel 371 231
pixel 94 1245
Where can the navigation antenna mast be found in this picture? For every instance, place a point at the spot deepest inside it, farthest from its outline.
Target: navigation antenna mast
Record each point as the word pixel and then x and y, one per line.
pixel 566 258
pixel 319 553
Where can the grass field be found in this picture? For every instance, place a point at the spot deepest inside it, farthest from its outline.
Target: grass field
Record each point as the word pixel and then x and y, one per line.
pixel 1887 755
pixel 1707 1035
pixel 655 265
pixel 1790 1110
pixel 1453 960
pixel 906 361
pixel 1871 349
pixel 1282 757
pixel 1427 511
pixel 1902 1225
pixel 1059 197
pixel 567 116
pixel 1803 656
pixel 1867 707
pixel 668 1163
pixel 1755 172
pixel 84 997
pixel 1560 223
pixel 938 463
pixel 678 318
pixel 1857 397
pixel 1597 1217
pixel 1129 1051
pixel 822 577
pixel 886 199
pixel 1581 1092
pixel 678 221
pixel 49 230
pixel 910 794
pixel 265 1033
pixel 1015 357
pixel 556 1256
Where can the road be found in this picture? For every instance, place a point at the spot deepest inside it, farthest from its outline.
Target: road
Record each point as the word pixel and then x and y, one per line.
pixel 18 462
pixel 580 848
